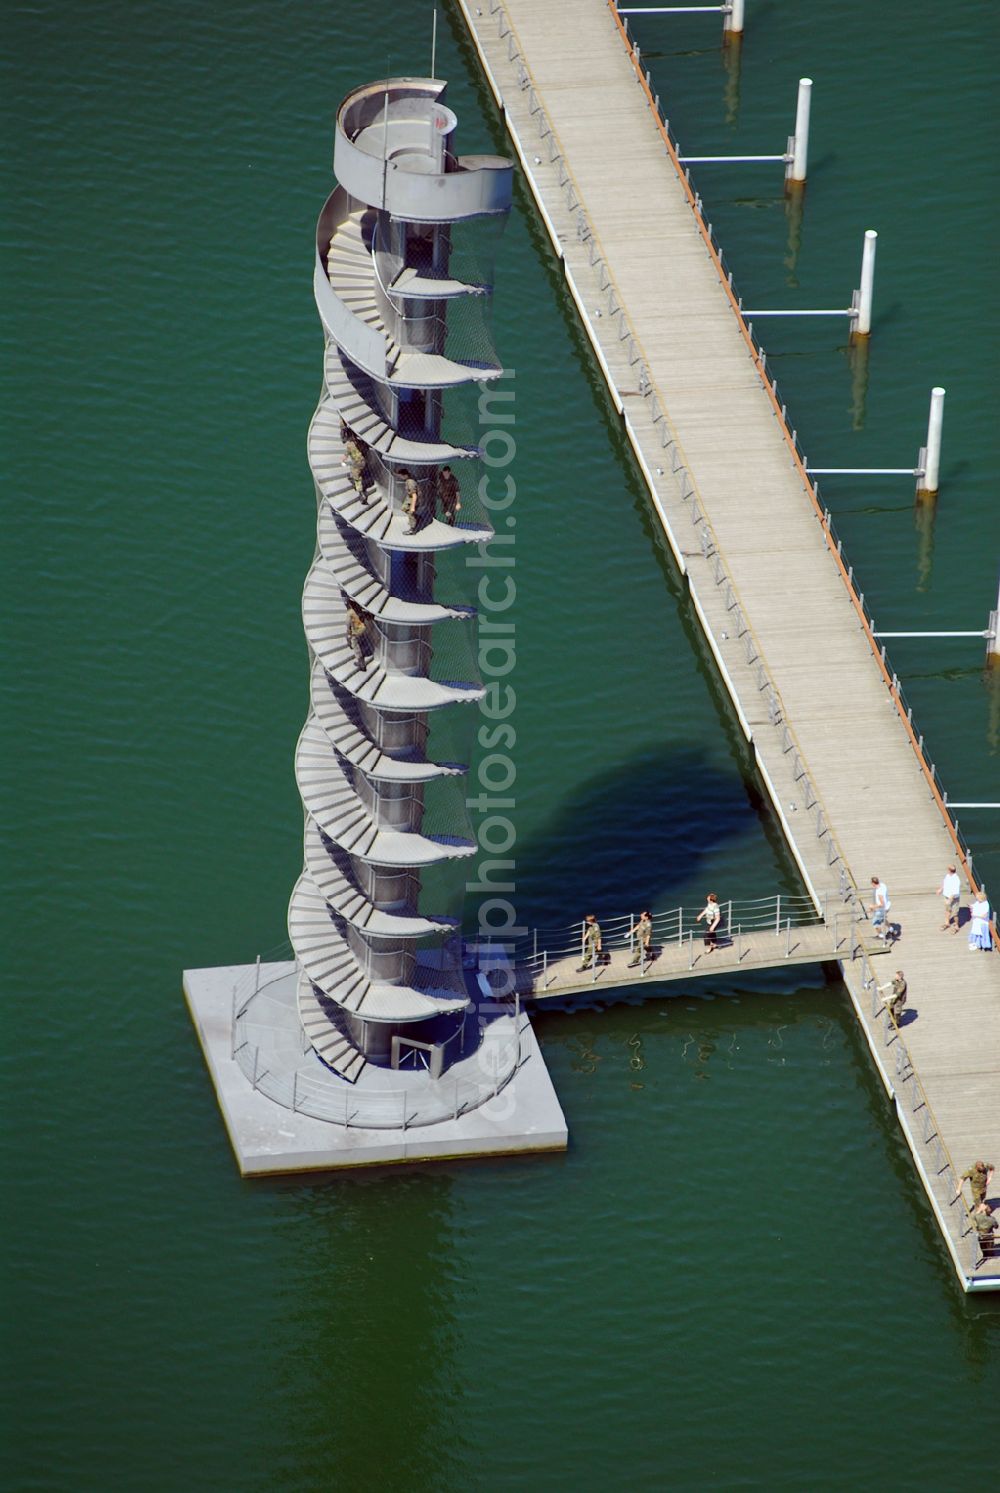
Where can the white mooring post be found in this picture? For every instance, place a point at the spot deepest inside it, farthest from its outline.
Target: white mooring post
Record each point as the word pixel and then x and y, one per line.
pixel 732 20
pixel 930 457
pixel 993 637
pixel 796 169
pixel 863 320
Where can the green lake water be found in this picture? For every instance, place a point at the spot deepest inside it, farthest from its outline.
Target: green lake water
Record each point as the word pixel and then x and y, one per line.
pixel 732 1278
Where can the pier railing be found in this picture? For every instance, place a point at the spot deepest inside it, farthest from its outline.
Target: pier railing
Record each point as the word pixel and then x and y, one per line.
pixel 538 955
pixel 911 1097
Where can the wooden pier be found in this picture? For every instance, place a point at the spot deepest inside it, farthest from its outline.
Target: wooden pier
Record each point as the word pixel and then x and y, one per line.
pixel 791 638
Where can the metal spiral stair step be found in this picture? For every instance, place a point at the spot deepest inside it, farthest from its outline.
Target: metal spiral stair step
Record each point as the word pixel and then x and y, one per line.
pixel 352 392
pixel 364 586
pixel 329 795
pixel 332 873
pixel 325 1034
pixel 334 709
pixel 373 515
pixel 410 367
pixel 324 617
pixel 422 285
pixel 328 961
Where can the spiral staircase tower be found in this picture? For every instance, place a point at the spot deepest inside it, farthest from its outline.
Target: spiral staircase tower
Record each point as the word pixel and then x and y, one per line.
pixel 373 962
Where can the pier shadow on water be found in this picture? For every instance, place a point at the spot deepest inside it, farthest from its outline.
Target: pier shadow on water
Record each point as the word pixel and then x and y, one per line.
pixel 642 834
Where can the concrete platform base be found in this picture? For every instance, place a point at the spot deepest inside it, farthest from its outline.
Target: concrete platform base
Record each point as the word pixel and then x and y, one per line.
pixel 269 1138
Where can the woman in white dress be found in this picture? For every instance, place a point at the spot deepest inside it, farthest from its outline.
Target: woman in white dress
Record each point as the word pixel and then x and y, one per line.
pixel 979 930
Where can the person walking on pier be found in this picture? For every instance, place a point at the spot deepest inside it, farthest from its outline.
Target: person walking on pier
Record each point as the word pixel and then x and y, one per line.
pixel 448 495
pixel 712 915
pixel 896 999
pixel 951 890
pixel 880 905
pixel 591 942
pixel 985 1225
pixel 642 940
pixel 979 1176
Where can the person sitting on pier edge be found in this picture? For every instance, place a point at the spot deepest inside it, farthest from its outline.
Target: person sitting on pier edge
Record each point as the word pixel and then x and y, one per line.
pixel 979 1176
pixel 896 999
pixel 712 914
pixel 449 495
pixel 879 906
pixel 951 890
pixel 591 942
pixel 357 633
pixel 642 938
pixel 984 1224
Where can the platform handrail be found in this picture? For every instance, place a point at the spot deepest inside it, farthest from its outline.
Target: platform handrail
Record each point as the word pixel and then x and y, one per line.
pixel 324 1097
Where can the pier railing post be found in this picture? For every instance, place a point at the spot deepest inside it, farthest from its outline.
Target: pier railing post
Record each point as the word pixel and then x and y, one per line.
pixel 788 938
pixel 777 915
pixel 690 948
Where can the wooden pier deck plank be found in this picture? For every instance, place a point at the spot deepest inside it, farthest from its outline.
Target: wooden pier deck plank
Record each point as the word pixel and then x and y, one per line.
pixel 847 732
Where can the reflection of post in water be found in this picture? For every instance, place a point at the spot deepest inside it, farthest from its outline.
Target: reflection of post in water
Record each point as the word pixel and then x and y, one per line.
pixel 588 1058
pixel 636 1061
pixel 991 678
pixel 857 361
pixel 924 514
pixel 705 1047
pixel 732 62
pixel 795 196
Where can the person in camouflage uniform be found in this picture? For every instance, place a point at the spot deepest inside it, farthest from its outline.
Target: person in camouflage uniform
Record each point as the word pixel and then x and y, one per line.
pixel 979 1176
pixel 642 937
pixel 448 495
pixel 355 462
pixel 412 503
pixel 985 1225
pixel 357 633
pixel 591 942
pixel 896 999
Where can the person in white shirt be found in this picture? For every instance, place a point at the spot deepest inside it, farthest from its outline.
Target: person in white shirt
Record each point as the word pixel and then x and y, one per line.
pixel 951 891
pixel 980 936
pixel 880 906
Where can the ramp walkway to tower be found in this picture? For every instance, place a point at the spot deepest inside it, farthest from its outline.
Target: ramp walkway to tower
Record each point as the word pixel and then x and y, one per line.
pixel 792 639
pixel 765 933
